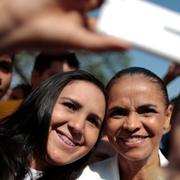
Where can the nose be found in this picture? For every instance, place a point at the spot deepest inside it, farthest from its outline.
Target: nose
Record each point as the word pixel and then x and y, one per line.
pixel 132 123
pixel 76 127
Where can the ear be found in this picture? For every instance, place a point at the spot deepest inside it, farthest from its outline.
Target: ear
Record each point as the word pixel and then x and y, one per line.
pixel 167 122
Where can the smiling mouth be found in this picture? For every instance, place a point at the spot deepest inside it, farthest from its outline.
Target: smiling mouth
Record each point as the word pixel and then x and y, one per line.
pixel 66 140
pixel 133 139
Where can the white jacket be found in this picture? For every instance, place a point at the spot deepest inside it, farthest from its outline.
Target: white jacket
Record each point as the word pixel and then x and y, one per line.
pixel 108 169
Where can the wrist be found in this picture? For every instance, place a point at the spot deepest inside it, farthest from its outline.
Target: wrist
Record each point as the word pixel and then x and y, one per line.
pixel 168 78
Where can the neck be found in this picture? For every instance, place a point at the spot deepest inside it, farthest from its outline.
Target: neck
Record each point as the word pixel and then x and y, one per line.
pixel 140 169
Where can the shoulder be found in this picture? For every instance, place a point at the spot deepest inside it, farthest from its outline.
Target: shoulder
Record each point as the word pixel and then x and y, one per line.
pixel 33 174
pixel 106 169
pixel 163 160
pixel 8 107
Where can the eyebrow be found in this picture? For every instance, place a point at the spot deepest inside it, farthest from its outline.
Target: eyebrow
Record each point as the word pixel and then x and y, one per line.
pixel 147 106
pixel 124 108
pixel 79 106
pixel 4 61
pixel 72 100
pixel 115 108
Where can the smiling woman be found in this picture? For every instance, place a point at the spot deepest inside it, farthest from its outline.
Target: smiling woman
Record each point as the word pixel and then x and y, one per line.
pixel 138 114
pixel 55 129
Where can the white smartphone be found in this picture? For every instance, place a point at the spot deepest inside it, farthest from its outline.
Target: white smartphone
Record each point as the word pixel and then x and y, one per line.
pixel 143 24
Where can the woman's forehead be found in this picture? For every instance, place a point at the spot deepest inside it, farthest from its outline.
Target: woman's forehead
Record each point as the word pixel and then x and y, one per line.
pixel 133 79
pixel 135 86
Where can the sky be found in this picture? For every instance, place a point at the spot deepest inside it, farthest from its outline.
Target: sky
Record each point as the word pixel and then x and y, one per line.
pixel 154 63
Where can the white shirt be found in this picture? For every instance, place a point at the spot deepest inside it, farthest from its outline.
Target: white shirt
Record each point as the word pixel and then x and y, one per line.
pixel 33 174
pixel 108 169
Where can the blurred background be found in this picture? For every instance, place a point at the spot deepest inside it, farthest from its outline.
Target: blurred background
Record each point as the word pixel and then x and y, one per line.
pixel 105 65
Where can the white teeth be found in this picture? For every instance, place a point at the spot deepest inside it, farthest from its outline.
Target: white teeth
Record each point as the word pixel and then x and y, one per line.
pixel 132 139
pixel 67 140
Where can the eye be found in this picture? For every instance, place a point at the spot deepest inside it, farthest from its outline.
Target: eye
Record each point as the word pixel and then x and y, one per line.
pixel 147 111
pixel 71 106
pixel 94 120
pixel 6 66
pixel 117 112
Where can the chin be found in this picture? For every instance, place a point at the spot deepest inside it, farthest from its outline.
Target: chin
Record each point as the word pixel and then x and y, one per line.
pixel 136 156
pixel 60 160
pixel 52 162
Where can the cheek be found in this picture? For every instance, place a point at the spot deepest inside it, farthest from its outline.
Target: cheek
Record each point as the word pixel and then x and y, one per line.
pixel 59 116
pixel 52 150
pixel 7 80
pixel 155 126
pixel 113 126
pixel 91 136
pixel 155 129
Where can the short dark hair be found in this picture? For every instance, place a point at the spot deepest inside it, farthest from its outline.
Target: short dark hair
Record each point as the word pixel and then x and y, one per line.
pixel 44 60
pixel 10 54
pixel 26 131
pixel 147 73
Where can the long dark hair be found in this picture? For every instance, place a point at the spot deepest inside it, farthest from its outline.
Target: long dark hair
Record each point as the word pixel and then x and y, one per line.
pixel 26 131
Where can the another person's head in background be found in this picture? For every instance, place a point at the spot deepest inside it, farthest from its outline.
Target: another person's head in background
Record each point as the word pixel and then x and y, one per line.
pixel 20 91
pixel 165 141
pixel 6 68
pixel 47 65
pixel 56 125
pixel 175 140
pixel 173 170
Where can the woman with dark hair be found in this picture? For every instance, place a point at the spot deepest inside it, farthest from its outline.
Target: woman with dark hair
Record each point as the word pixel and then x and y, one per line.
pixel 54 130
pixel 138 114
